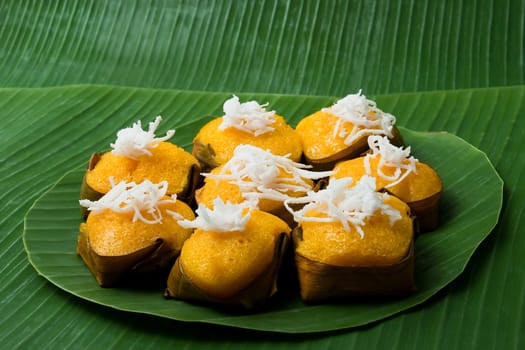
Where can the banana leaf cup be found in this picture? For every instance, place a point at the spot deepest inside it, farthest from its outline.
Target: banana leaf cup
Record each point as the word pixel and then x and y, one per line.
pixel 120 250
pixel 132 235
pixel 249 297
pixel 421 188
pixel 147 265
pixel 424 206
pixel 340 132
pixel 353 242
pixel 205 154
pixel 321 282
pixel 232 259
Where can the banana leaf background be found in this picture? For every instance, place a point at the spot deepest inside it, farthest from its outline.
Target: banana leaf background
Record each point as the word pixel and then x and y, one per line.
pixel 462 63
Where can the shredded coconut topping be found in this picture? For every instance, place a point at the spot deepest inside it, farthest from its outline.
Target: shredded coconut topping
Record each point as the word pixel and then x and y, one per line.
pixel 134 142
pixel 250 117
pixel 390 156
pixel 224 217
pixel 142 200
pixel 259 174
pixel 349 205
pixel 364 115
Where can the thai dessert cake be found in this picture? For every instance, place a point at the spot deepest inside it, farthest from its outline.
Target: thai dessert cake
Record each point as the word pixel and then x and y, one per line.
pixel 353 242
pixel 131 233
pixel 232 258
pixel 244 123
pixel 329 210
pixel 340 132
pixel 137 155
pixel 258 176
pixel 400 174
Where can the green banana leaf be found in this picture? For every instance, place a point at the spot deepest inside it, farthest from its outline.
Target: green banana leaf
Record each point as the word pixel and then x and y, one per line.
pixel 471 203
pixel 305 47
pixel 311 47
pixel 85 118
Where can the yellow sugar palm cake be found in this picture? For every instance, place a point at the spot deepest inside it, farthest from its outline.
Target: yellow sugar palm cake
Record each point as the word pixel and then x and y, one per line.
pixel 340 131
pixel 132 231
pixel 244 123
pixel 232 258
pixel 353 241
pixel 402 175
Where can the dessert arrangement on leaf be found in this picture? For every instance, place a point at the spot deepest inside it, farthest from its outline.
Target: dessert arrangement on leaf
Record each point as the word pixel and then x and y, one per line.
pixel 338 201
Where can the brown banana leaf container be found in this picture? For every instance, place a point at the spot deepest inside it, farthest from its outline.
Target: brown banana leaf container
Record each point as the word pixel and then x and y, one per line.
pixel 205 155
pixel 145 266
pixel 426 212
pixel 353 151
pixel 320 282
pixel 252 296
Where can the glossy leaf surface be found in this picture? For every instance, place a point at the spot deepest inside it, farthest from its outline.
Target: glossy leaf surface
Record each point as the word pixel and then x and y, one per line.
pixel 466 219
